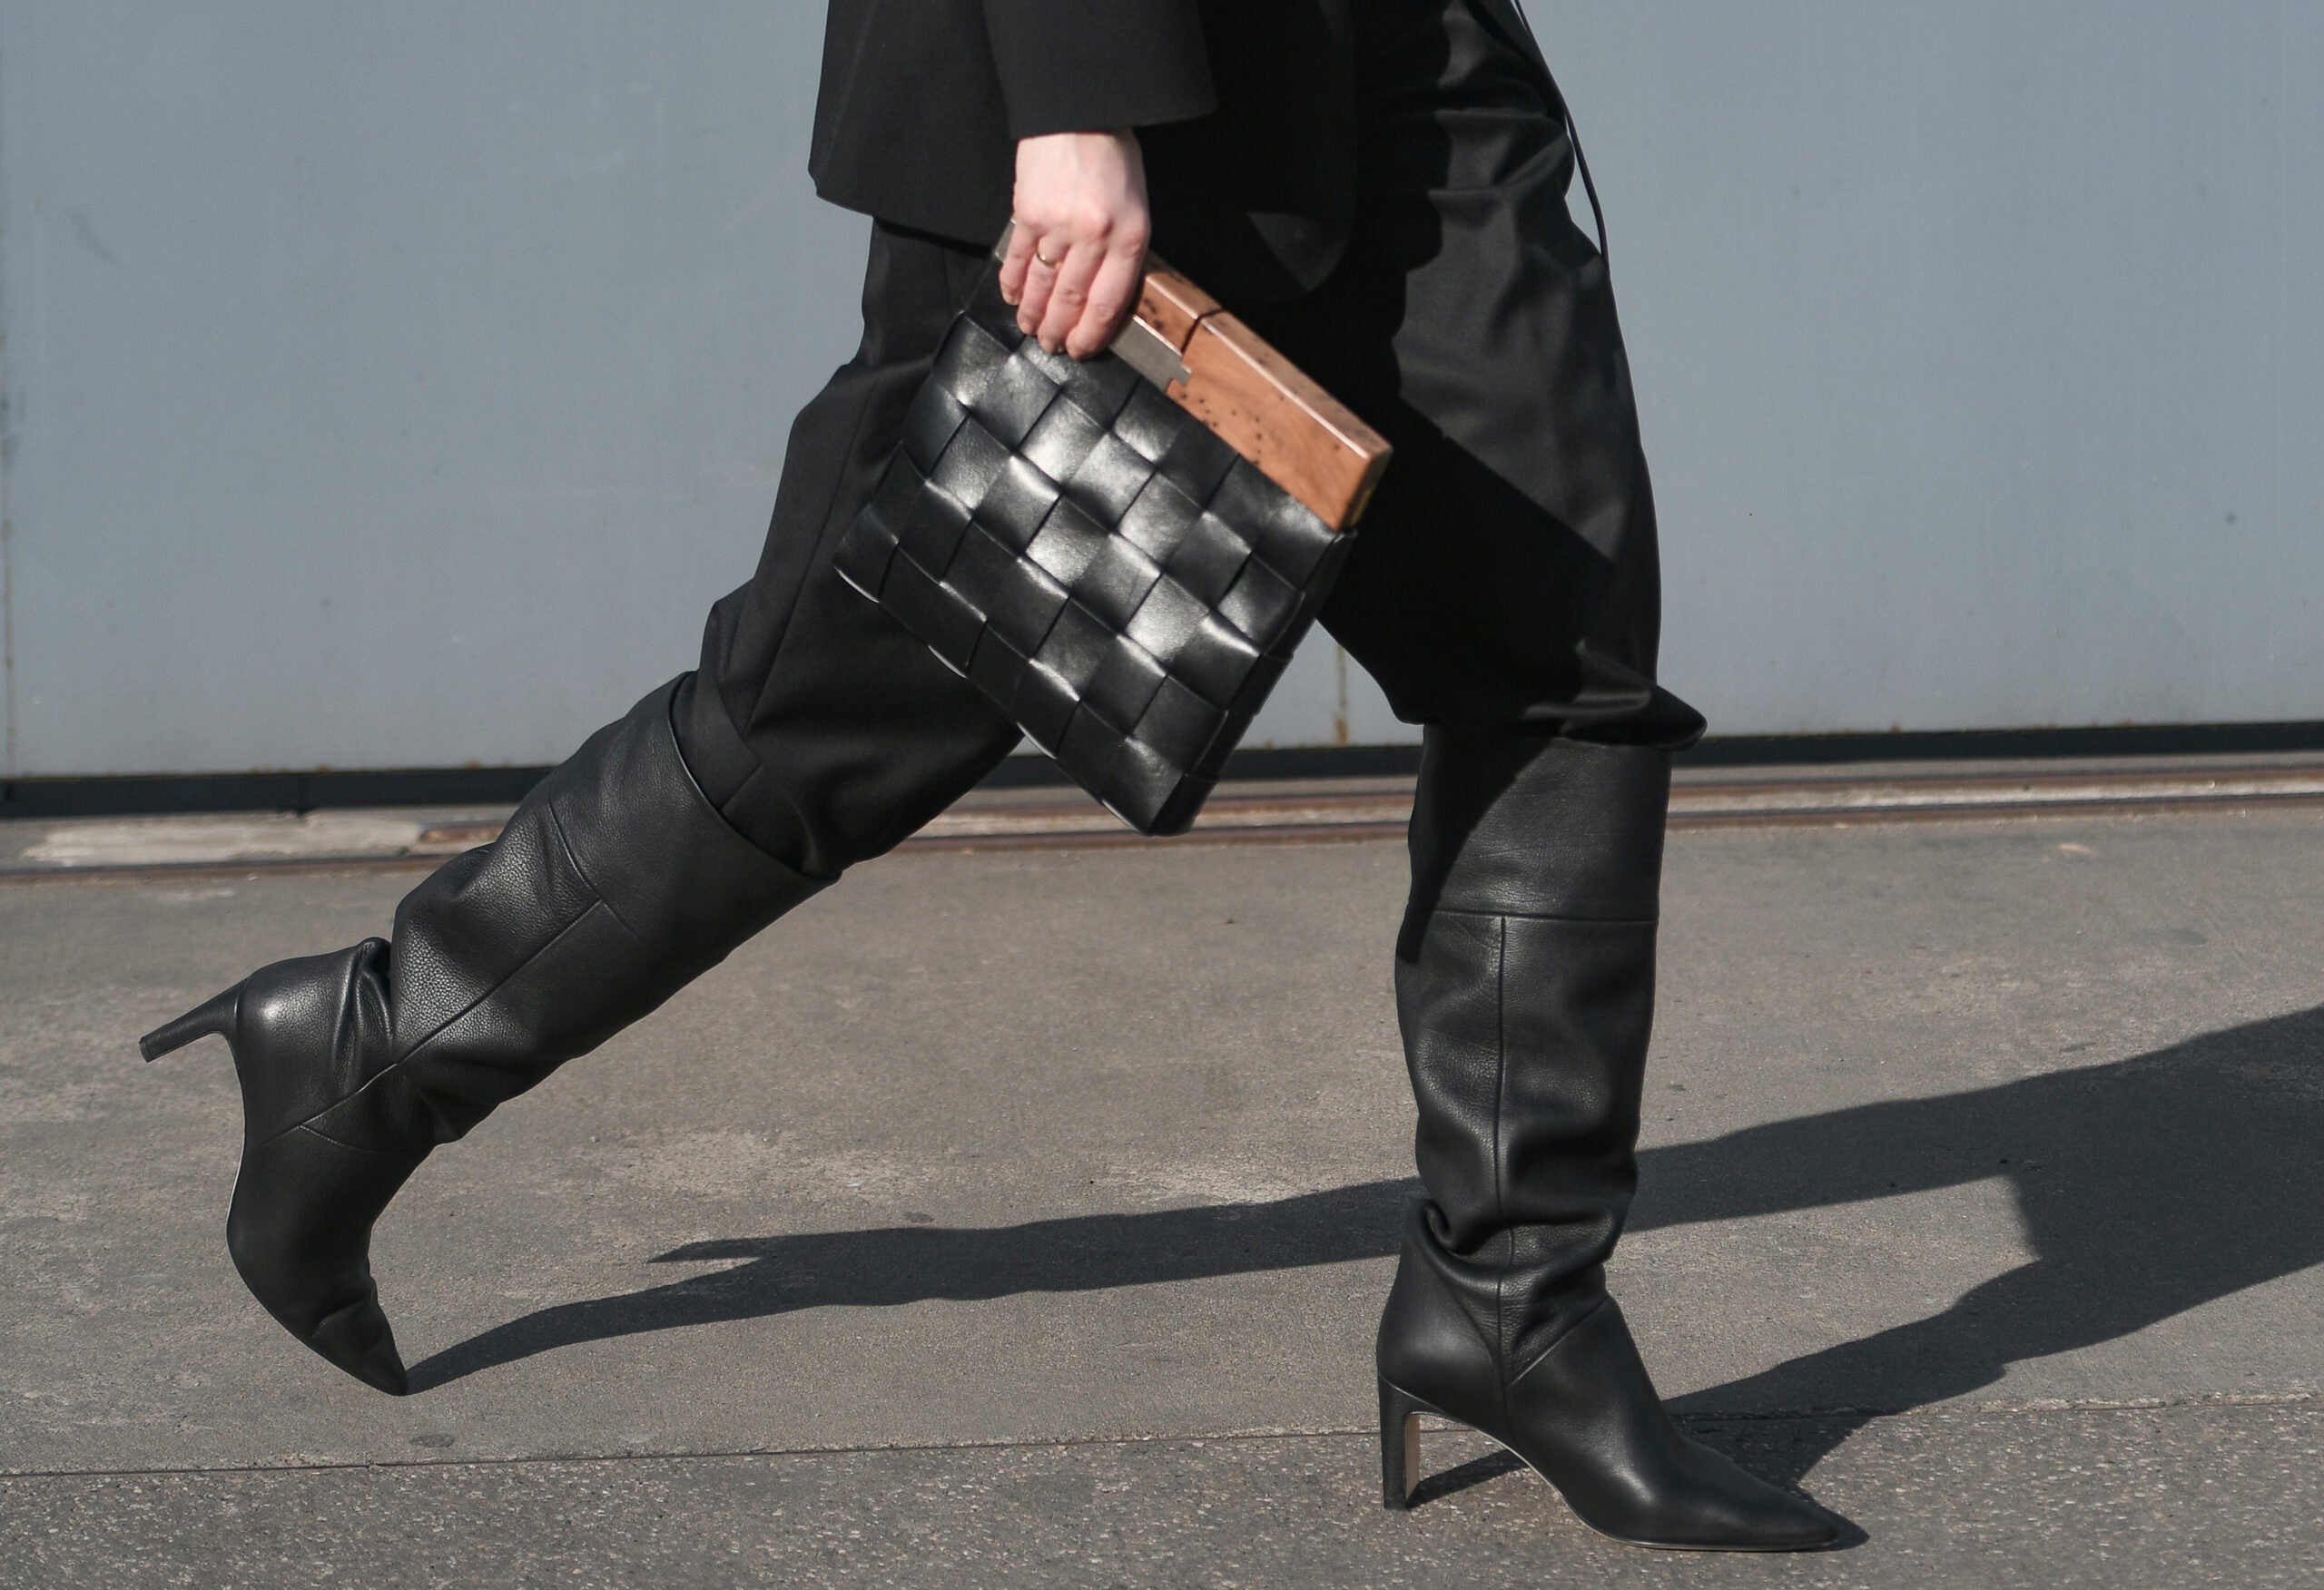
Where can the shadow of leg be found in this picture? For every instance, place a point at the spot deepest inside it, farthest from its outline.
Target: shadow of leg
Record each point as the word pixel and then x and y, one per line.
pixel 2031 1313
pixel 888 1267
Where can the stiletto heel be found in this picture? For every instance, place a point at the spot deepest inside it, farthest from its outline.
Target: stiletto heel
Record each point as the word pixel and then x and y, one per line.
pixel 213 1019
pixel 1399 1446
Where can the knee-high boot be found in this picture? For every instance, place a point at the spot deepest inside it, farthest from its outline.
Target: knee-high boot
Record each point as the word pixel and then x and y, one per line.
pixel 1525 988
pixel 613 885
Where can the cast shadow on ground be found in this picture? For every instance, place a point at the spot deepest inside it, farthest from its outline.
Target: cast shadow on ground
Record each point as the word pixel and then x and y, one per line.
pixel 915 1263
pixel 2147 1187
pixel 2144 1188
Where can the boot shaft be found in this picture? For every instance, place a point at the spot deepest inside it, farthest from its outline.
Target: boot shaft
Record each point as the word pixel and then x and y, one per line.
pixel 1525 990
pixel 613 885
pixel 1506 823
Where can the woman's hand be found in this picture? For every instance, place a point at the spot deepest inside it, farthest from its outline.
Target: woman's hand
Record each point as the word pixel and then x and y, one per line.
pixel 1079 254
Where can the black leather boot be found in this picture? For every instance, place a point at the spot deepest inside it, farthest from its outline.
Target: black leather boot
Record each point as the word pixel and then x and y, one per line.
pixel 1525 987
pixel 613 886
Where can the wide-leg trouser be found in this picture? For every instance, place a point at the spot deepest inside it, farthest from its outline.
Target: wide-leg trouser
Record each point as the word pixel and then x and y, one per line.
pixel 1504 590
pixel 1506 576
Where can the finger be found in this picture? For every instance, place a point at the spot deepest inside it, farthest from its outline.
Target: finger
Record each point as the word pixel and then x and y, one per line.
pixel 1014 262
pixel 1070 295
pixel 1112 296
pixel 1040 281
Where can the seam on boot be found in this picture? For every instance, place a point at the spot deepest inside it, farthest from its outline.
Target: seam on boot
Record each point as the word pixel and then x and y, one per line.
pixel 398 1064
pixel 1452 1303
pixel 341 1312
pixel 597 899
pixel 1543 1357
pixel 596 905
pixel 312 1130
pixel 1546 916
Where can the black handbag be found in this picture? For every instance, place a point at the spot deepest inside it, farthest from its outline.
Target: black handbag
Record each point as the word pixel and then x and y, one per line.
pixel 1108 570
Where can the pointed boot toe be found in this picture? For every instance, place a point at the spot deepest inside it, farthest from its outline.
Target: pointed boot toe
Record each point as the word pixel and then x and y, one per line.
pixel 1754 1516
pixel 1704 1502
pixel 359 1339
pixel 300 1233
pixel 1586 1416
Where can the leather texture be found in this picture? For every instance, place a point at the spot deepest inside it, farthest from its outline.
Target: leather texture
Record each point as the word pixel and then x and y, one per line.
pixel 613 884
pixel 1525 990
pixel 1093 560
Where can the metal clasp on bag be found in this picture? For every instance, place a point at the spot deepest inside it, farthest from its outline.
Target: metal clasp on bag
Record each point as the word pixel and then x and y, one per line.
pixel 1145 351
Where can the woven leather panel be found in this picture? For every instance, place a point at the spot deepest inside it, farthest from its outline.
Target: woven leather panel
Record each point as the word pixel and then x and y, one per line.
pixel 1106 570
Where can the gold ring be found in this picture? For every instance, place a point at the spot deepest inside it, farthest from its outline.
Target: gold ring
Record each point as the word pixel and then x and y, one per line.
pixel 1044 260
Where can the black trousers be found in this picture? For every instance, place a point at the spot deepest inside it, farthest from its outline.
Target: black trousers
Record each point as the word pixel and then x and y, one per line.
pixel 1506 577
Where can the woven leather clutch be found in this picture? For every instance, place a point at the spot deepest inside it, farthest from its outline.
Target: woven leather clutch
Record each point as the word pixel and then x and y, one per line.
pixel 1121 553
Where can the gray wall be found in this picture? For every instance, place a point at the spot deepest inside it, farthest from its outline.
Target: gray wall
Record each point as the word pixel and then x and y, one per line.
pixel 1980 349
pixel 395 385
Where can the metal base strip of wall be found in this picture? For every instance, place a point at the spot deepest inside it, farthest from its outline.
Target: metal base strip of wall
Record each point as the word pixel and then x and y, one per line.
pixel 1322 811
pixel 151 795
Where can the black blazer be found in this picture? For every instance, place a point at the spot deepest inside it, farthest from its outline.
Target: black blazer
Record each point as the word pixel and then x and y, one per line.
pixel 1246 109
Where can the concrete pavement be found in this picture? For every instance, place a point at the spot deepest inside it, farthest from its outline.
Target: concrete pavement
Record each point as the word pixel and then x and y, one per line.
pixel 1023 1217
